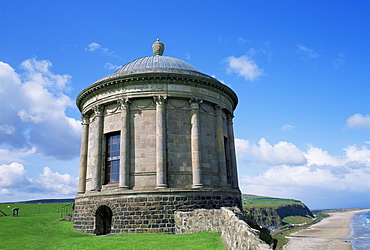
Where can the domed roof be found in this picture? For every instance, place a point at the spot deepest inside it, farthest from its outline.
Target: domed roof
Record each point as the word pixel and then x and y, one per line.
pixel 152 69
pixel 156 63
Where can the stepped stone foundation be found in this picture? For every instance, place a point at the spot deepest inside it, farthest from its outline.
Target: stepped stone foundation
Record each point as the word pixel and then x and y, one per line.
pixel 235 232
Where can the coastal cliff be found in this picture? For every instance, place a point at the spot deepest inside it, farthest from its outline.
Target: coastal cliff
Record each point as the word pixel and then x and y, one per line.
pixel 273 212
pixel 273 216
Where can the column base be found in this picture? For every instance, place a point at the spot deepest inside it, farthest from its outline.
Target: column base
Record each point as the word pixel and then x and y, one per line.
pixel 195 186
pixel 160 186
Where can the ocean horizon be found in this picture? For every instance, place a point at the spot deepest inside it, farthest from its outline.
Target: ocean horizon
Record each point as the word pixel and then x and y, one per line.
pixel 360 231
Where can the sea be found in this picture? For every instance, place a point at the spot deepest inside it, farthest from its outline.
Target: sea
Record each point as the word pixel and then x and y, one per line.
pixel 360 234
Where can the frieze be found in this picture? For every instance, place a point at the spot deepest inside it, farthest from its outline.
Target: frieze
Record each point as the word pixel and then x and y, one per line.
pixel 206 107
pixel 178 103
pixel 142 103
pixel 111 109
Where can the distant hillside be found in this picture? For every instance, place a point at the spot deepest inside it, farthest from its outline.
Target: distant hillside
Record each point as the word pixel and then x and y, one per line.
pixel 45 201
pixel 275 212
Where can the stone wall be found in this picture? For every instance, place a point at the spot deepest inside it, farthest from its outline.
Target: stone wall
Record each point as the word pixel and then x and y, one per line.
pixel 145 213
pixel 235 232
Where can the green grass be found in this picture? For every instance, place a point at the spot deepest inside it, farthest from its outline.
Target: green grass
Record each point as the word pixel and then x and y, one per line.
pixel 250 200
pixel 297 220
pixel 37 227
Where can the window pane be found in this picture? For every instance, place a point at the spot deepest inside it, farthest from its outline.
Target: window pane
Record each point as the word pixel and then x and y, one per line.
pixel 112 160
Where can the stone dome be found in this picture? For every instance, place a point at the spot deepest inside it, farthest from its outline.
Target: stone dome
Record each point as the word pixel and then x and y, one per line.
pixel 156 64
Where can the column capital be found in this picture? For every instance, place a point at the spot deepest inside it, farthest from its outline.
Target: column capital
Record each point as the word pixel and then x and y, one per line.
pixel 160 100
pixel 230 117
pixel 98 110
pixel 124 103
pixel 85 119
pixel 218 109
pixel 194 103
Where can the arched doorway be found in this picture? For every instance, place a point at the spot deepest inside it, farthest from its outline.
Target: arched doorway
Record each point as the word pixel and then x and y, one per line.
pixel 103 220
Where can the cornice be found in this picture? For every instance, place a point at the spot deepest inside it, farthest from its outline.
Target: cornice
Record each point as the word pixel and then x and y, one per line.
pixel 191 79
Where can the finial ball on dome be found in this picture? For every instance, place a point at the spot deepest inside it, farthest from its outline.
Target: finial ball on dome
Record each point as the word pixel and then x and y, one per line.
pixel 158 48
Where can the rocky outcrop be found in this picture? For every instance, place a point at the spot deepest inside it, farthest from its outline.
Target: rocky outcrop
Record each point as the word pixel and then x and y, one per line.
pixel 263 216
pixel 272 216
pixel 235 232
pixel 298 209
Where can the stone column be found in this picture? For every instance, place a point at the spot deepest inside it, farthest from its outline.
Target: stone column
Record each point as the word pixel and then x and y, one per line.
pixel 161 153
pixel 221 147
pixel 83 153
pixel 234 170
pixel 195 143
pixel 97 149
pixel 124 168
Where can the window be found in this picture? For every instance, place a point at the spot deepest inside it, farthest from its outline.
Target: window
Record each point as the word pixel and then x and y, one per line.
pixel 113 158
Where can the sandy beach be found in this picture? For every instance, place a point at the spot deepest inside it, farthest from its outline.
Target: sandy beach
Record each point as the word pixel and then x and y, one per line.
pixel 327 234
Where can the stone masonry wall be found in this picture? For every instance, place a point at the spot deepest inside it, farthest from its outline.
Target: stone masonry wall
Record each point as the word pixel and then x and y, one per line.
pixel 235 232
pixel 143 213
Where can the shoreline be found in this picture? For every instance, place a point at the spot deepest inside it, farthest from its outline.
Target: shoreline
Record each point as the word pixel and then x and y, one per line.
pixel 330 233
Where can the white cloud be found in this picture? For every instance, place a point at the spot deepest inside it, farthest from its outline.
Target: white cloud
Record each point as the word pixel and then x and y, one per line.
pixel 307 52
pixel 111 66
pixel 15 185
pixel 339 61
pixel 241 40
pixel 33 111
pixel 358 121
pixel 4 191
pixel 58 183
pixel 9 155
pixel 357 154
pixel 287 127
pixel 280 153
pixel 187 55
pixel 7 129
pixel 12 175
pixel 244 66
pixel 92 47
pixel 319 157
pixel 323 180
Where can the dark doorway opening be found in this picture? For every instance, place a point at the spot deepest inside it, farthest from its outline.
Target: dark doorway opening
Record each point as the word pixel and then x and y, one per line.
pixel 103 217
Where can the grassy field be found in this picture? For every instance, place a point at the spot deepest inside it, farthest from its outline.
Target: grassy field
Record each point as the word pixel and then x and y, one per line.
pixel 250 200
pixel 37 227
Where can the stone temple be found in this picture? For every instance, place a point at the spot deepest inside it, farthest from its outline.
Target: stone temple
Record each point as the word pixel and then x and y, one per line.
pixel 157 137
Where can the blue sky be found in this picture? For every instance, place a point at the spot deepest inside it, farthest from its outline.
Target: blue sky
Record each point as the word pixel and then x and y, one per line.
pixel 299 68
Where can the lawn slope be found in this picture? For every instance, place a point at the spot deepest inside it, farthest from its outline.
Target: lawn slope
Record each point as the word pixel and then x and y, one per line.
pixel 37 227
